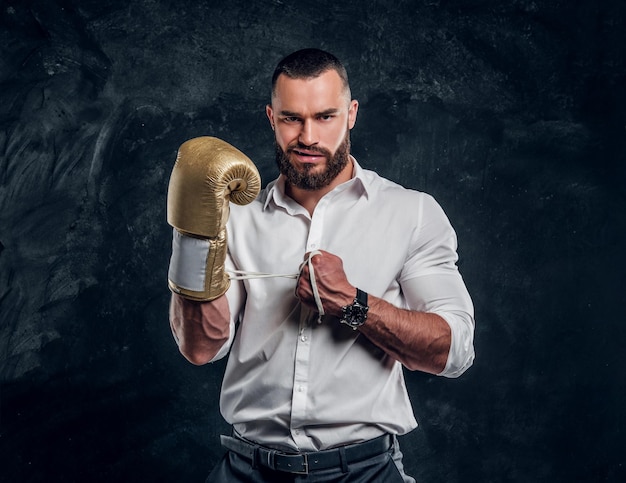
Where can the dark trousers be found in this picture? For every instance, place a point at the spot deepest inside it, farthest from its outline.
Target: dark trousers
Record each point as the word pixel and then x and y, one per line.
pixel 381 468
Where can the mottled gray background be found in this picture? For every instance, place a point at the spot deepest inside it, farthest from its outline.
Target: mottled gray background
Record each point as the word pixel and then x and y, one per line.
pixel 511 113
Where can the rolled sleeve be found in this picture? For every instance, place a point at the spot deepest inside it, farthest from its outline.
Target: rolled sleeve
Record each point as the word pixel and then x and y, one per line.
pixel 461 355
pixel 447 296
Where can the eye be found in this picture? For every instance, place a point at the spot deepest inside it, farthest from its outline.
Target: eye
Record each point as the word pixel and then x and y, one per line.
pixel 291 119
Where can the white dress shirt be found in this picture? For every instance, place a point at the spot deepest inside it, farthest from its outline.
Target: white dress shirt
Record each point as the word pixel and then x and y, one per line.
pixel 296 384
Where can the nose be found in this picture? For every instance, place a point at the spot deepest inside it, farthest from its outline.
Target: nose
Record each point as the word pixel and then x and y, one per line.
pixel 308 134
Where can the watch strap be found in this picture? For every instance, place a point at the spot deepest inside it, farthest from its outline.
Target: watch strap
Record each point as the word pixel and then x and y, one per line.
pixel 361 297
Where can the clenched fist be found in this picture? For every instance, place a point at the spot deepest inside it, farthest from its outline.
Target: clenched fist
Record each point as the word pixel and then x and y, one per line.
pixel 334 289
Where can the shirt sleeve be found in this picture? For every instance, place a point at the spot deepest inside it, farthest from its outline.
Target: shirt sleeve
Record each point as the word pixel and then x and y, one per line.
pixel 431 282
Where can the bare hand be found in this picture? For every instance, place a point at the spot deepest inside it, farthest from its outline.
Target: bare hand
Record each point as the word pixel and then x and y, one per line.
pixel 332 283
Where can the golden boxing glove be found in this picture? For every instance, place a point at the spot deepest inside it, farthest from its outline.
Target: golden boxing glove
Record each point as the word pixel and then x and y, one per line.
pixel 208 173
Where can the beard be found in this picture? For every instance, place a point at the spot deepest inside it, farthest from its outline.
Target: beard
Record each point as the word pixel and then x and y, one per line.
pixel 305 179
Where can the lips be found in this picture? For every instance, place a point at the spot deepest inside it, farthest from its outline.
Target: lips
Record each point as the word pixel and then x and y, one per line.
pixel 308 155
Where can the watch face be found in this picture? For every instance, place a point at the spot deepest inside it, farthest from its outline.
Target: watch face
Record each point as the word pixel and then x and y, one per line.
pixel 354 315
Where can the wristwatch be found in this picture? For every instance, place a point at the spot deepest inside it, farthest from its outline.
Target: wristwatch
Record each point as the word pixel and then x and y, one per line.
pixel 354 315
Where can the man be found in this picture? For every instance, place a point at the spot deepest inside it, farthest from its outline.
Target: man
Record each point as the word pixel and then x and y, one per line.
pixel 314 383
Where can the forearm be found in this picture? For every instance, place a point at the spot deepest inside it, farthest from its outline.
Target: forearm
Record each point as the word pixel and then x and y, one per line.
pixel 200 328
pixel 419 340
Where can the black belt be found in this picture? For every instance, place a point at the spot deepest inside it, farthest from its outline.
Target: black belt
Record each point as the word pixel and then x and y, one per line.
pixel 303 463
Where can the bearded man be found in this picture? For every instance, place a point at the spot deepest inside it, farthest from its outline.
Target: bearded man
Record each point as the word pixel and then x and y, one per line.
pixel 314 386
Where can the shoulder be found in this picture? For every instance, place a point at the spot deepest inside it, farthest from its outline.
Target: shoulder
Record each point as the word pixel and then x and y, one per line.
pixel 383 189
pixel 416 210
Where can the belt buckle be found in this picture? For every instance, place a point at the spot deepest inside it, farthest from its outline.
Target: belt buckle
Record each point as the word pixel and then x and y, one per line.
pixel 305 465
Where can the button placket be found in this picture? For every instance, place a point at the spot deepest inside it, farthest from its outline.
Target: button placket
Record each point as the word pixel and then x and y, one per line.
pixel 316 230
pixel 301 377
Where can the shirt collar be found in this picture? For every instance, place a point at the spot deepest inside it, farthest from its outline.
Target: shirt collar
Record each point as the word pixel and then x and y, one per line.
pixel 358 184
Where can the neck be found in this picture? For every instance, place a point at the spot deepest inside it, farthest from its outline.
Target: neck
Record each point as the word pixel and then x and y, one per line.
pixel 309 199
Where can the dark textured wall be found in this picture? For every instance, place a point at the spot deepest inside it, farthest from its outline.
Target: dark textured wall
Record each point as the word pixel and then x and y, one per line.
pixel 512 113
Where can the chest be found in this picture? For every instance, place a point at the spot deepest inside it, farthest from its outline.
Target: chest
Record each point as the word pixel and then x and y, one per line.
pixel 372 241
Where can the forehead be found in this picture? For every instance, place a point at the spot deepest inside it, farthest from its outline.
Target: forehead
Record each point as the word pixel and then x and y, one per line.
pixel 316 94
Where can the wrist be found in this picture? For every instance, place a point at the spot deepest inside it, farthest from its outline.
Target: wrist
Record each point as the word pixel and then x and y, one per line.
pixel 196 269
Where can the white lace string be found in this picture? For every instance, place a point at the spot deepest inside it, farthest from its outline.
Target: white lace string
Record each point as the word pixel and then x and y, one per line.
pixel 316 293
pixel 245 275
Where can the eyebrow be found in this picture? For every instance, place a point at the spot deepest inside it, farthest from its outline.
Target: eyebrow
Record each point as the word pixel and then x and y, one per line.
pixel 327 112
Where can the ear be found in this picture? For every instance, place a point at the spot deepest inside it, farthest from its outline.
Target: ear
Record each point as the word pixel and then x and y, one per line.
pixel 270 115
pixel 352 111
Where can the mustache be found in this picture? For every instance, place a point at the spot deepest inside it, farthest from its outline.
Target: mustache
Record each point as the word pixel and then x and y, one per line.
pixel 313 149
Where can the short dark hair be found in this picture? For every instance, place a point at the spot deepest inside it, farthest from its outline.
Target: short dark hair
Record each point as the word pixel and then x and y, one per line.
pixel 309 63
